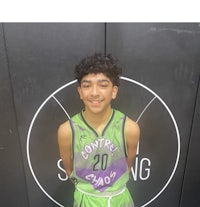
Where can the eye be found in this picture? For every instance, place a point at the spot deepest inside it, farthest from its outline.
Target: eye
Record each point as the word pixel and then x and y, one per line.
pixel 85 85
pixel 104 85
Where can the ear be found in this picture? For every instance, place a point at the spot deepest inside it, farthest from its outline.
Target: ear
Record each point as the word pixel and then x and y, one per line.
pixel 80 92
pixel 114 92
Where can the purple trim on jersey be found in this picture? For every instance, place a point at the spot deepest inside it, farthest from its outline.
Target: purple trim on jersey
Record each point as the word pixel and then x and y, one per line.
pixel 102 179
pixel 123 137
pixel 73 137
pixel 81 129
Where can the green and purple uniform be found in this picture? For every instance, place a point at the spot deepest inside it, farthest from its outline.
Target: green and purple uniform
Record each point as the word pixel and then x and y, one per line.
pixel 99 163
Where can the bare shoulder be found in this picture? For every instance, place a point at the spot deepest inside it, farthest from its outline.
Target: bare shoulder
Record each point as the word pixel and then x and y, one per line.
pixel 132 130
pixel 64 131
pixel 65 146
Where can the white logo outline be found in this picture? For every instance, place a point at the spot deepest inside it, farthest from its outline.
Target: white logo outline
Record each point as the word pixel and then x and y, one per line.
pixel 123 78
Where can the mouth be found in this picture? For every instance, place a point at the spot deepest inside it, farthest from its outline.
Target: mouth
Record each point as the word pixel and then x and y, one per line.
pixel 95 102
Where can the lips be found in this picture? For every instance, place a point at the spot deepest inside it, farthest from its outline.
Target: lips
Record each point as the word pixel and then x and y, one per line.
pixel 95 102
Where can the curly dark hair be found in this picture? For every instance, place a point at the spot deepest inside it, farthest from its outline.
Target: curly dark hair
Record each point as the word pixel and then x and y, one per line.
pixel 99 63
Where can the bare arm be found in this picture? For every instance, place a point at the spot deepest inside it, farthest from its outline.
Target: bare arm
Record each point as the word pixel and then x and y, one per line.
pixel 132 133
pixel 65 147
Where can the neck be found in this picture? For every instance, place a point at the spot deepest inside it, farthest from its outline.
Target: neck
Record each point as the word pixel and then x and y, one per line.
pixel 98 120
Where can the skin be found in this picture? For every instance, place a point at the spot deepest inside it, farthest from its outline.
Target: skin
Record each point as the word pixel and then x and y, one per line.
pixel 97 92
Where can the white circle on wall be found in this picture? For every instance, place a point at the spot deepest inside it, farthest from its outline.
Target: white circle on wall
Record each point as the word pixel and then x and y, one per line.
pixel 155 96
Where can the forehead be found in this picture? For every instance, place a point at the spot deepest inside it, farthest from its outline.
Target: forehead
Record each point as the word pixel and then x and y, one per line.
pixel 99 77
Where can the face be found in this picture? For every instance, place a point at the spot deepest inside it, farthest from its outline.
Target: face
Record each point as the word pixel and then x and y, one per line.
pixel 97 92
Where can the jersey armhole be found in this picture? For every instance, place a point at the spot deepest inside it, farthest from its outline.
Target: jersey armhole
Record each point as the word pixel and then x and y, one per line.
pixel 72 138
pixel 124 136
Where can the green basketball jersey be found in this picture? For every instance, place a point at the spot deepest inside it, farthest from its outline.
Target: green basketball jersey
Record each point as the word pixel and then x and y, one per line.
pixel 99 161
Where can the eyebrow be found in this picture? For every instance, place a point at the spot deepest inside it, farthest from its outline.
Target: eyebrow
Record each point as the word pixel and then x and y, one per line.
pixel 99 81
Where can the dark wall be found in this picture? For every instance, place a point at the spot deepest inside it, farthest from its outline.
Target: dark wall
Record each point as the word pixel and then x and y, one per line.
pixel 162 64
pixel 13 189
pixel 191 189
pixel 164 57
pixel 41 59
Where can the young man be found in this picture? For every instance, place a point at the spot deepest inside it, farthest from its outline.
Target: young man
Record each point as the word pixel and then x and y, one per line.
pixel 98 145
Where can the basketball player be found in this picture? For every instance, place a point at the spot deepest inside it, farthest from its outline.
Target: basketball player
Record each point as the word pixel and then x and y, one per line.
pixel 98 145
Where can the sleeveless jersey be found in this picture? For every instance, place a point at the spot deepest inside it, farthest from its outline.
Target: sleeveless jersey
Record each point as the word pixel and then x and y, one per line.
pixel 99 161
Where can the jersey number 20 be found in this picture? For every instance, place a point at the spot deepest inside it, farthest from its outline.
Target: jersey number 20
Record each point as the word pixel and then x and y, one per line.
pixel 100 162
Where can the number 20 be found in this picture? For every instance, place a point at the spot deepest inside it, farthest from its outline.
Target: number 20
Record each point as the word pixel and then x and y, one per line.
pixel 102 159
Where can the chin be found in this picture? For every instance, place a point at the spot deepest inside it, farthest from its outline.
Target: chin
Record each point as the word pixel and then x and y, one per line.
pixel 95 110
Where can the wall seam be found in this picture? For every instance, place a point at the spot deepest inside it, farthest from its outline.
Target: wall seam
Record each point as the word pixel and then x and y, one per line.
pixel 189 142
pixel 105 39
pixel 14 109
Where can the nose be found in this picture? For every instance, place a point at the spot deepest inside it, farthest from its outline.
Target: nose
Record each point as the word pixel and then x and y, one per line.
pixel 94 91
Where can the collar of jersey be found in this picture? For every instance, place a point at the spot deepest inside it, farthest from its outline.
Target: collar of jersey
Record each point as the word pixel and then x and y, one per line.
pixel 91 128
